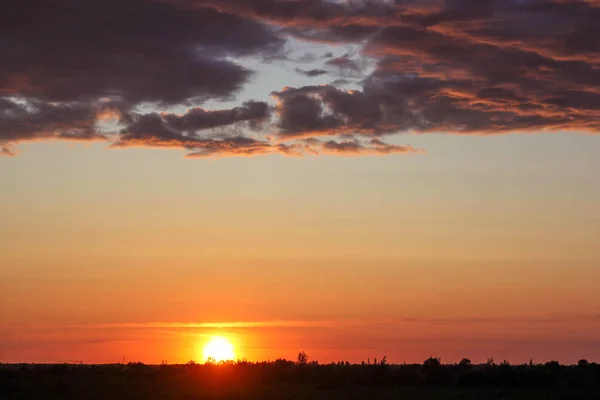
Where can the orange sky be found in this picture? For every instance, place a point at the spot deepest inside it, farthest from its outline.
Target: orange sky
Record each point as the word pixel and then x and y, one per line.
pixel 353 179
pixel 107 282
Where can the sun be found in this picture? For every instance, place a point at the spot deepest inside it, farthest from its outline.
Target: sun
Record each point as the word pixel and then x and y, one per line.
pixel 218 349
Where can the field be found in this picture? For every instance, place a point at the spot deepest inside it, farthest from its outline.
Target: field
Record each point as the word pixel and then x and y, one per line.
pixel 292 380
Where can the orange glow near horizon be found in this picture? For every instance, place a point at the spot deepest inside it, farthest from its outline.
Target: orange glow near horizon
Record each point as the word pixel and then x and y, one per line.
pixel 345 260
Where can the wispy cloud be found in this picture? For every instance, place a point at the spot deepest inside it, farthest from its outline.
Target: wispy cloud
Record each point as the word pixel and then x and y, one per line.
pixel 553 318
pixel 194 325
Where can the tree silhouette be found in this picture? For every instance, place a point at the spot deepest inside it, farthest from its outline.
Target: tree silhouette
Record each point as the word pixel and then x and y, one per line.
pixel 302 358
pixel 465 363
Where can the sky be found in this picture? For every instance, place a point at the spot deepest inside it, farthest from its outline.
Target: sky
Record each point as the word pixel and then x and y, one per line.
pixel 352 179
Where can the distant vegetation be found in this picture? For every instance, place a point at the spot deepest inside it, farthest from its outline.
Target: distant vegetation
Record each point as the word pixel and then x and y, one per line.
pixel 302 379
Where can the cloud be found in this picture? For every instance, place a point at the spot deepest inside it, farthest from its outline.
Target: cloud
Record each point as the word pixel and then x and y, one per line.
pixel 326 110
pixel 135 50
pixel 6 152
pixel 344 62
pixel 469 101
pixel 312 72
pixel 242 146
pixel 197 118
pixel 197 325
pixel 355 147
pixel 456 85
pixel 312 13
pixel 556 318
pixel 558 29
pixel 186 131
pixel 301 112
pixel 63 62
pixel 35 120
pixel 455 66
pixel 453 63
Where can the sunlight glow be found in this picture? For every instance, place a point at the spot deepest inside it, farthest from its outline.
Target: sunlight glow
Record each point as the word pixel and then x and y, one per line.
pixel 218 349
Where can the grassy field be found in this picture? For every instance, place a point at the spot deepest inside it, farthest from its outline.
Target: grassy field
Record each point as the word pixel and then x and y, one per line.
pixel 289 380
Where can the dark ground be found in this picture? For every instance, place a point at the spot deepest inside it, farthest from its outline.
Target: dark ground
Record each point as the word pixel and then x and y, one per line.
pixel 288 380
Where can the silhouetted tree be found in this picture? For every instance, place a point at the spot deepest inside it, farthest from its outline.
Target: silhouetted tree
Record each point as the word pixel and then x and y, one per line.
pixel 465 363
pixel 582 363
pixel 302 358
pixel 432 363
pixel 435 374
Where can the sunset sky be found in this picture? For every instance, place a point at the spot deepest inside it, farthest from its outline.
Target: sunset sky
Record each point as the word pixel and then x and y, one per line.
pixel 349 178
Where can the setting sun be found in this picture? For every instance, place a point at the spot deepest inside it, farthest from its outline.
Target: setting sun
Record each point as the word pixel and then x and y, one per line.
pixel 218 349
